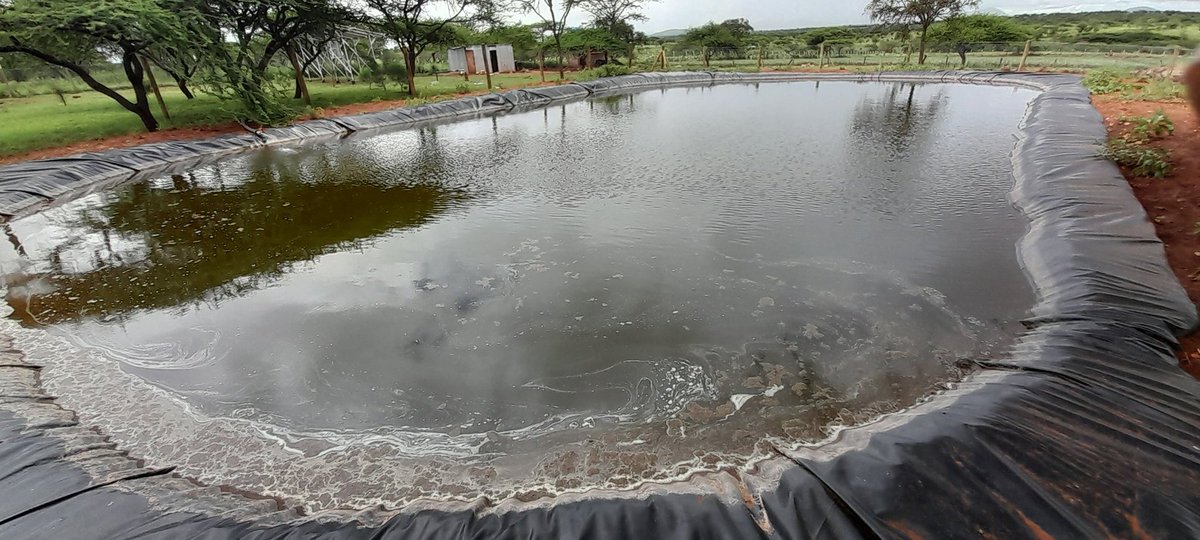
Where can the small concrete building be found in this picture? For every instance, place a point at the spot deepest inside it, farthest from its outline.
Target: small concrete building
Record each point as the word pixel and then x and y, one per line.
pixel 470 59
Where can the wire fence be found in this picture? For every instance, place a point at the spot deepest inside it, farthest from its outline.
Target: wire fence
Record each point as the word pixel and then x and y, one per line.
pixel 1030 56
pixel 1033 56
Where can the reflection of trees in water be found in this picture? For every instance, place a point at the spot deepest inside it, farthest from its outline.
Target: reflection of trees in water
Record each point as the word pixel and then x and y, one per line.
pixel 898 121
pixel 891 137
pixel 207 240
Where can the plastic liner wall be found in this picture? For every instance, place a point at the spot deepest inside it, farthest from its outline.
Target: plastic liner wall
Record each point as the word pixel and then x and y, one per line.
pixel 1089 429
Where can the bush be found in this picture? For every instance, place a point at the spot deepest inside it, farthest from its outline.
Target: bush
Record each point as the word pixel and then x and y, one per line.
pixel 1105 81
pixel 607 70
pixel 1148 128
pixel 1141 160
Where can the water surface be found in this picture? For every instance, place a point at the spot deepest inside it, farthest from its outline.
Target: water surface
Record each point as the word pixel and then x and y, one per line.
pixel 600 293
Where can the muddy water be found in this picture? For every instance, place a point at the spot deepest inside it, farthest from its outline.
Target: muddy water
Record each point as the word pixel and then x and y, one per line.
pixel 596 294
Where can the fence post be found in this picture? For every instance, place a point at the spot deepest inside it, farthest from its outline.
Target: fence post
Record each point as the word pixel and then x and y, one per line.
pixel 760 57
pixel 821 56
pixel 631 53
pixel 907 53
pixel 154 86
pixel 1025 57
pixel 662 57
pixel 487 66
pixel 542 63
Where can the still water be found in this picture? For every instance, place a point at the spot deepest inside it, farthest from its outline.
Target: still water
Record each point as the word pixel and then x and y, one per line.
pixel 595 294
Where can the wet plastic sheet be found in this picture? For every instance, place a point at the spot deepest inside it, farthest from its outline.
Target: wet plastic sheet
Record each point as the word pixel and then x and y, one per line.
pixel 1087 429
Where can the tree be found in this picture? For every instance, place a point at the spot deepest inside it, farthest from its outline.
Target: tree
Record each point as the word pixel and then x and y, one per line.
pixel 66 33
pixel 182 64
pixel 920 12
pixel 553 14
pixel 832 35
pixel 414 28
pixel 523 38
pixel 740 28
pixel 246 37
pixel 727 35
pixel 961 32
pixel 583 40
pixel 617 18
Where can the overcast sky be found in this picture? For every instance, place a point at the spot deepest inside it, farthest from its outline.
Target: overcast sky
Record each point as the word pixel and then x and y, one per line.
pixel 774 14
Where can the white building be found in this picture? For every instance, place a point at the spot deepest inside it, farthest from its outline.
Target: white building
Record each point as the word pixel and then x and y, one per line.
pixel 470 59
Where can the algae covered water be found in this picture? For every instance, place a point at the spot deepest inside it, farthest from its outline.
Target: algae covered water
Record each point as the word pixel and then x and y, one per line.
pixel 623 289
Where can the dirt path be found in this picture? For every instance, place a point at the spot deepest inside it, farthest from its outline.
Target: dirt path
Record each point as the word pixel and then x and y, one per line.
pixel 1173 203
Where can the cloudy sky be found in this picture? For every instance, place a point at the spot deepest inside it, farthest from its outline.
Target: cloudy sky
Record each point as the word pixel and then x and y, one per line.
pixel 772 14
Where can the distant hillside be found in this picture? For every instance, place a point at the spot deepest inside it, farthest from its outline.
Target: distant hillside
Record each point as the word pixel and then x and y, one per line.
pixel 668 34
pixel 1137 26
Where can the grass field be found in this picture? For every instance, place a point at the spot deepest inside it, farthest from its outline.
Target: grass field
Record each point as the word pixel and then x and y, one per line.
pixel 44 121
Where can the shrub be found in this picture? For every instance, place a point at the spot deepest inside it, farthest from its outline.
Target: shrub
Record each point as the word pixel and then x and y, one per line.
pixel 607 70
pixel 1157 90
pixel 1148 128
pixel 1141 160
pixel 1105 81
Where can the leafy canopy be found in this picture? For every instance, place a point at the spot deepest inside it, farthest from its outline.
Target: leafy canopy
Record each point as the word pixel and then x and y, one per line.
pixel 979 29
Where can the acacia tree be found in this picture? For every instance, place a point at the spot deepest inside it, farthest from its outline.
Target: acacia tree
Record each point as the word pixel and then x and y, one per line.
pixel 553 14
pixel 961 32
pixel 415 28
pixel 727 35
pixel 248 35
pixel 182 64
pixel 67 33
pixel 920 12
pixel 617 17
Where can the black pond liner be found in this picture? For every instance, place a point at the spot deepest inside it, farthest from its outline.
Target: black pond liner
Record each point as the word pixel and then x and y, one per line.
pixel 1088 429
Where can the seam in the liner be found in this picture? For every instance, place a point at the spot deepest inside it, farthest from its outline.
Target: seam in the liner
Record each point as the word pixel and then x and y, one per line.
pixel 64 498
pixel 850 508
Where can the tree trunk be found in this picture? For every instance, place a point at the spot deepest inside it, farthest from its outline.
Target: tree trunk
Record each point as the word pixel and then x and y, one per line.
pixel 162 105
pixel 562 64
pixel 135 74
pixel 180 81
pixel 410 67
pixel 921 54
pixel 301 84
pixel 142 111
pixel 183 87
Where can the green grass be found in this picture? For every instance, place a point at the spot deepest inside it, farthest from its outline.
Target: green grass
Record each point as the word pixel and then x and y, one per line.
pixel 38 122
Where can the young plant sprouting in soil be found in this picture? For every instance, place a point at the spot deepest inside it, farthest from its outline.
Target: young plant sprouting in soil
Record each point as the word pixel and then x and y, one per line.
pixel 1134 151
pixel 1105 81
pixel 1148 128
pixel 1141 159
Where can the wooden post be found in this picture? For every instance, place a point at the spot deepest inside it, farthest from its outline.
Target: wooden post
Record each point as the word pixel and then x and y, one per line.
pixel 760 57
pixel 907 53
pixel 1025 56
pixel 821 56
pixel 662 54
pixel 154 86
pixel 706 57
pixel 300 82
pixel 587 58
pixel 542 63
pixel 631 53
pixel 1174 63
pixel 487 66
